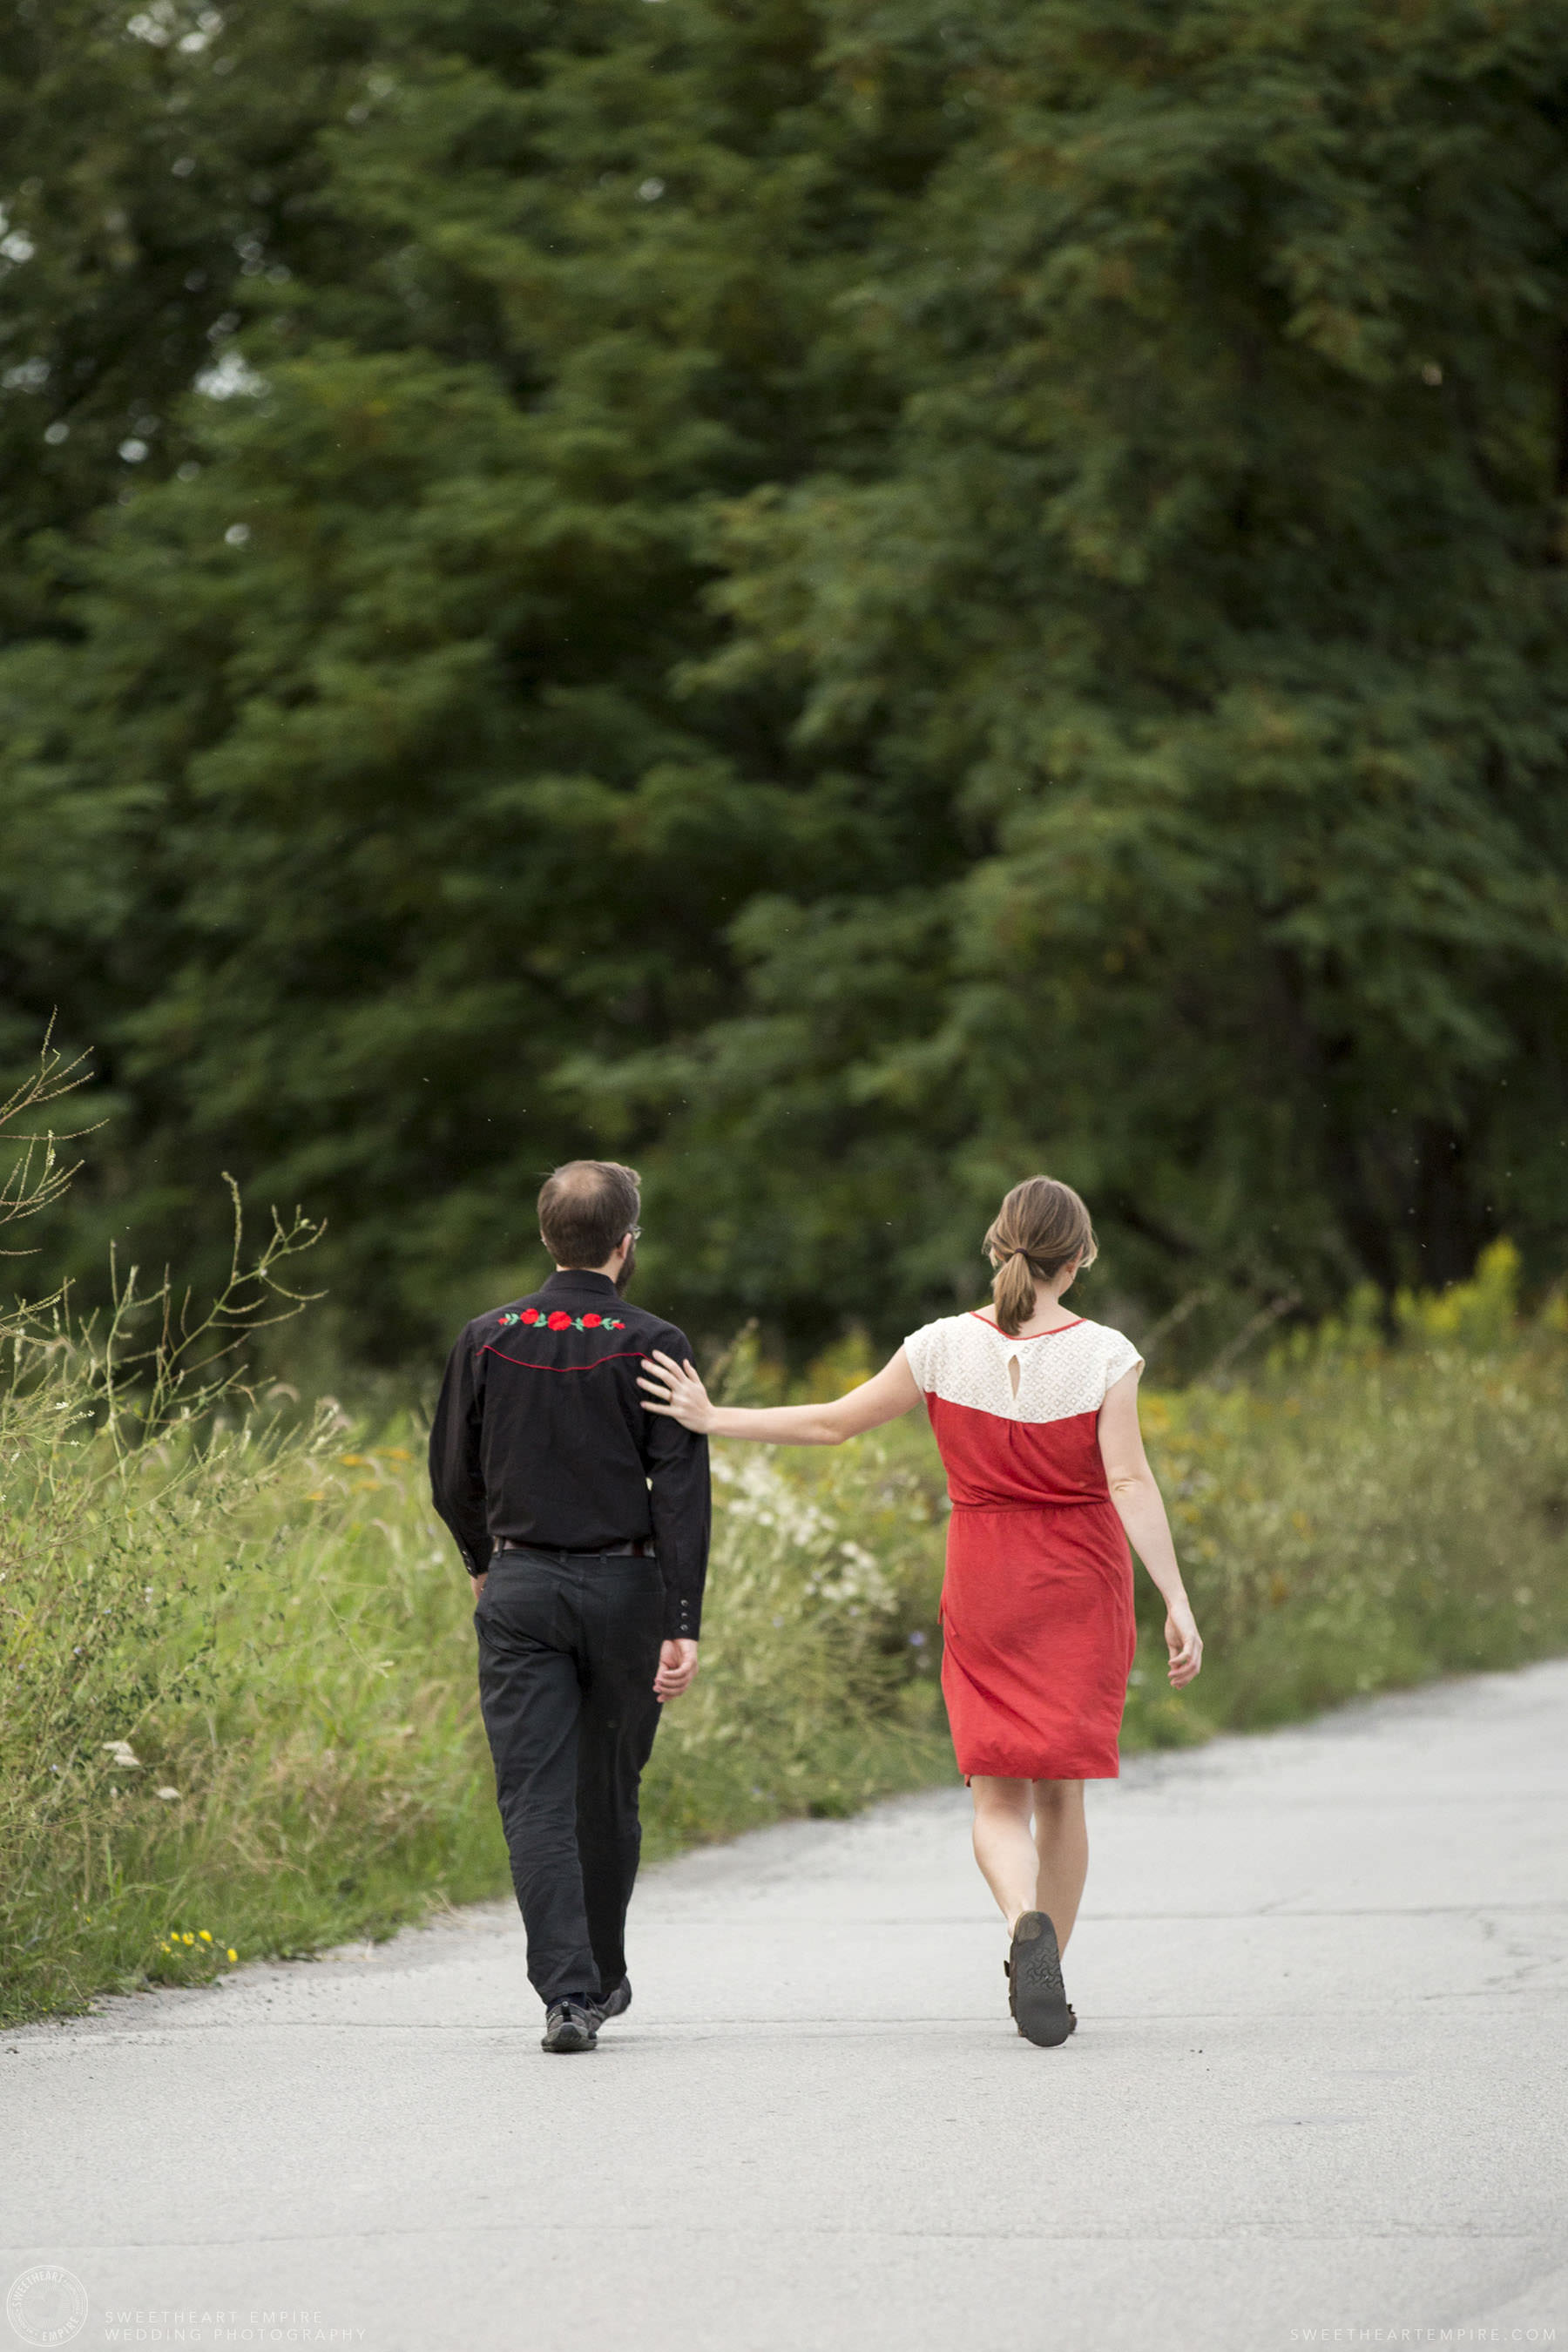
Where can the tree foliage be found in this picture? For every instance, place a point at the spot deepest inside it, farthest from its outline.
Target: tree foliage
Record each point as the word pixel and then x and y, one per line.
pixel 843 600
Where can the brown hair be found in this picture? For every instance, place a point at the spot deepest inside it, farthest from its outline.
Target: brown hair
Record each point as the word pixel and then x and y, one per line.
pixel 1040 1227
pixel 585 1208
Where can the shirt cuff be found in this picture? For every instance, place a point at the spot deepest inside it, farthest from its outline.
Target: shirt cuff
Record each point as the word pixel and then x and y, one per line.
pixel 683 1619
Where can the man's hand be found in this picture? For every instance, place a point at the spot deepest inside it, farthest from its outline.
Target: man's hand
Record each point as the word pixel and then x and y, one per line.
pixel 479 1584
pixel 676 1669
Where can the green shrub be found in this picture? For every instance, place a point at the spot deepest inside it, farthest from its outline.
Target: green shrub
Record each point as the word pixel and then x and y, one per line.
pixel 1365 1515
pixel 242 1715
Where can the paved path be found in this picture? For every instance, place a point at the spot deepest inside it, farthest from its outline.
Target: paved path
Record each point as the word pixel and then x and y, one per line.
pixel 1319 2084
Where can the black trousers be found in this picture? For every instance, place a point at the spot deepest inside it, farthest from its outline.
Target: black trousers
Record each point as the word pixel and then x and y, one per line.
pixel 568 1650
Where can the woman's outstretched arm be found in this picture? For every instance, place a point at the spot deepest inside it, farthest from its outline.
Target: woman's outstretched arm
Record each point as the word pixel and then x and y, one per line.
pixel 674 1389
pixel 1141 1507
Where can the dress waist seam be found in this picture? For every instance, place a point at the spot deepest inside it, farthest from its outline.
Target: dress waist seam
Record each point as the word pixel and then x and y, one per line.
pixel 1046 1502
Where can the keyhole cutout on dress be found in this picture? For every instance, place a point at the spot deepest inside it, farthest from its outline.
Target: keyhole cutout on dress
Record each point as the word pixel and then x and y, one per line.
pixel 1013 1372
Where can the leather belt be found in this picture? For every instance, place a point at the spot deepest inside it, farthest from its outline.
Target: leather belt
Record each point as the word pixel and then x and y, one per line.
pixel 640 1547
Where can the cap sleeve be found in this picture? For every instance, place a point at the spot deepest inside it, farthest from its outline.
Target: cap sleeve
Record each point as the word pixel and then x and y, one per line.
pixel 1120 1356
pixel 921 1349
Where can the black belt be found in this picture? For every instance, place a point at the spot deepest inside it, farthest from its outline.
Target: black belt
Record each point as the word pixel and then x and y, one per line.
pixel 640 1547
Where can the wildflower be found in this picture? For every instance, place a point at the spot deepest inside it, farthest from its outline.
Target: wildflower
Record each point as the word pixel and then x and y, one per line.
pixel 123 1753
pixel 187 1937
pixel 169 1796
pixel 232 1953
pixel 206 1935
pixel 355 1461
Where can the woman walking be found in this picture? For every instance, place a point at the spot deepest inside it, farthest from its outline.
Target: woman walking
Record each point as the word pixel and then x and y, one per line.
pixel 1035 1411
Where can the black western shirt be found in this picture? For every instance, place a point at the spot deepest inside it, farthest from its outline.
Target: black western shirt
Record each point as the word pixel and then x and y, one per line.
pixel 540 1437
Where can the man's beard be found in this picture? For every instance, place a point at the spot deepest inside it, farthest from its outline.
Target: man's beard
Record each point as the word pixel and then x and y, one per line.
pixel 623 1279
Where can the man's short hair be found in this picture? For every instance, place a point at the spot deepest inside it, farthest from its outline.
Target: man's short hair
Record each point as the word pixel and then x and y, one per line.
pixel 586 1208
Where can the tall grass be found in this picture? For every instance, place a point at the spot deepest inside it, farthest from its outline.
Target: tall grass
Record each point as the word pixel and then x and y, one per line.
pixel 237 1669
pixel 240 1694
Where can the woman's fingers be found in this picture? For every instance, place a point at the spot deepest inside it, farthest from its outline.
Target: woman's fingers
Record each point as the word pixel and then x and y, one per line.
pixel 673 1389
pixel 1186 1661
pixel 660 1383
pixel 663 1396
pixel 1186 1647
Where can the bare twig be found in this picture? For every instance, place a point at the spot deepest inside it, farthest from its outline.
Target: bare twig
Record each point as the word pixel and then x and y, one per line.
pixel 37 1179
pixel 1250 1331
pixel 1175 1318
pixel 156 1359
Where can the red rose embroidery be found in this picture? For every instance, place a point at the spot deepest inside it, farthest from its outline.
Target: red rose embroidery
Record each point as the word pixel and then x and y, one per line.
pixel 560 1322
pixel 591 1322
pixel 530 1314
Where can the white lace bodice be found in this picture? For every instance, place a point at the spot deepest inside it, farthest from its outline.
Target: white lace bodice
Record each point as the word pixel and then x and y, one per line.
pixel 965 1360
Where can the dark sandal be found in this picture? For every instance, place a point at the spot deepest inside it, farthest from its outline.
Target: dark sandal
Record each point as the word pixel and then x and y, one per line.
pixel 1011 2009
pixel 1035 1994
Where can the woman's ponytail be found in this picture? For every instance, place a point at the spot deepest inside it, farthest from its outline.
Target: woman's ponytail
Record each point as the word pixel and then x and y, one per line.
pixel 1041 1228
pixel 1013 1290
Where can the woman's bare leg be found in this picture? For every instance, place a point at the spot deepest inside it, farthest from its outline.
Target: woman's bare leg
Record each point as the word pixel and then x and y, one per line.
pixel 1003 1846
pixel 1061 1838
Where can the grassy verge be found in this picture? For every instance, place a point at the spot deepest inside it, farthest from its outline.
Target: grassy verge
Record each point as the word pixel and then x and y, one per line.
pixel 240 1705
pixel 1363 1516
pixel 237 1674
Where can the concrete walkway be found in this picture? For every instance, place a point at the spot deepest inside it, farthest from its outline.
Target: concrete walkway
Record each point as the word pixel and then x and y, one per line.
pixel 1318 2085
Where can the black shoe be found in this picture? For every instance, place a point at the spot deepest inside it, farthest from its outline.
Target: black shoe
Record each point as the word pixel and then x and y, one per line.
pixel 570 2025
pixel 617 2004
pixel 1013 2006
pixel 1035 1983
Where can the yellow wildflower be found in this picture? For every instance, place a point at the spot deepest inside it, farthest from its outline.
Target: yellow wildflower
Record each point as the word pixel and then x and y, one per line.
pixel 206 1935
pixel 232 1953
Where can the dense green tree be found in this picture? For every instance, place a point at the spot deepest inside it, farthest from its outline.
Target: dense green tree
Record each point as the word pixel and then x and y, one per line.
pixel 368 707
pixel 844 601
pixel 1212 583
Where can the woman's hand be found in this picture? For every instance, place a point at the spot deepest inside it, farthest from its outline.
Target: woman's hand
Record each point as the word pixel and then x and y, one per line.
pixel 675 1390
pixel 1184 1641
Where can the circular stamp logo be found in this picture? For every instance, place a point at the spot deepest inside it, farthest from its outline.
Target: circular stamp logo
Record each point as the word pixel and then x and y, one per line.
pixel 47 2304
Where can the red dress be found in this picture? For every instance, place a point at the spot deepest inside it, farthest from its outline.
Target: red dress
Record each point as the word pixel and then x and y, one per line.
pixel 1037 1607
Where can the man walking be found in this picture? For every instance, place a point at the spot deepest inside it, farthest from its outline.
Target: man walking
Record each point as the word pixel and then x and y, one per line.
pixel 583 1522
